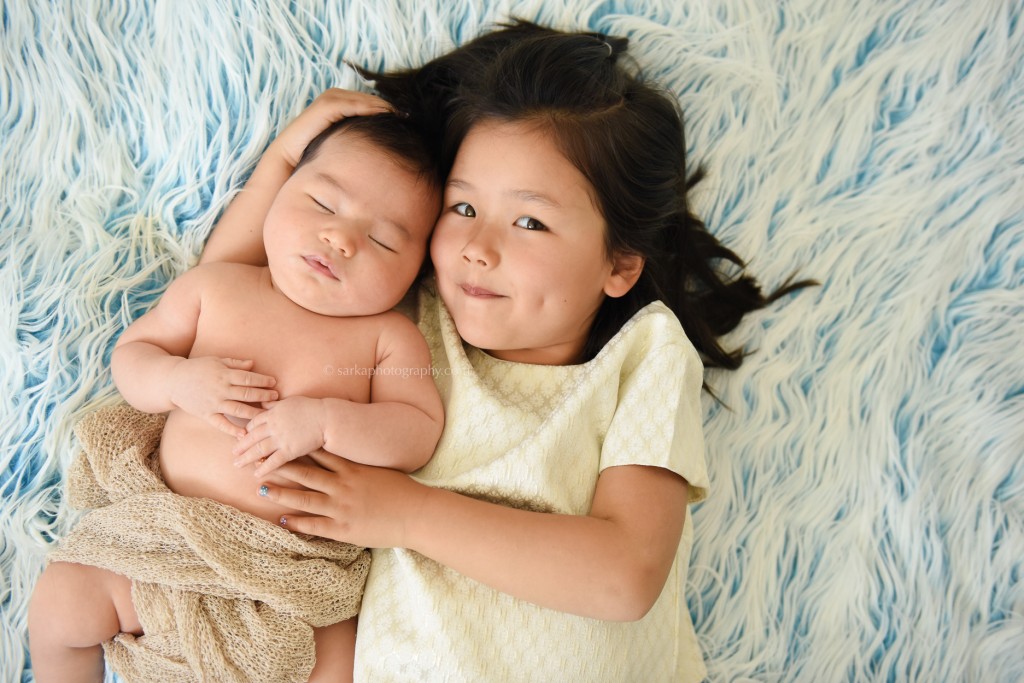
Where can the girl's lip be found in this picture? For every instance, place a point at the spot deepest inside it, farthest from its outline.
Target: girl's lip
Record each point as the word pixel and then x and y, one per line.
pixel 321 265
pixel 479 292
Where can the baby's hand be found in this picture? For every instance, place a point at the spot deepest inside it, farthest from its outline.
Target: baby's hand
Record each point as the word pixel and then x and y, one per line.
pixel 287 429
pixel 332 105
pixel 215 388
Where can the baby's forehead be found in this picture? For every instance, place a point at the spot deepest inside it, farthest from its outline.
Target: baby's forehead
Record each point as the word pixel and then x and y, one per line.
pixel 373 152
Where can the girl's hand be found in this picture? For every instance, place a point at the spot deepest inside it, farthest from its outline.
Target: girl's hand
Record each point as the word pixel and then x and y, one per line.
pixel 332 105
pixel 216 388
pixel 360 504
pixel 238 235
pixel 287 429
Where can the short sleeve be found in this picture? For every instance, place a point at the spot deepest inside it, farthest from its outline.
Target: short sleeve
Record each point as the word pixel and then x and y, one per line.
pixel 657 421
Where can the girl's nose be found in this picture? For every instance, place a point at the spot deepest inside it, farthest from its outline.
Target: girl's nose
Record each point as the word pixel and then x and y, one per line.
pixel 481 249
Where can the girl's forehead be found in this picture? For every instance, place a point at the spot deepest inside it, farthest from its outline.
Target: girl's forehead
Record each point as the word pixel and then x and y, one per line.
pixel 524 158
pixel 521 146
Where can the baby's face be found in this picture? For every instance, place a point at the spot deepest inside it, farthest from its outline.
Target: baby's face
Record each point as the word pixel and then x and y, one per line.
pixel 348 231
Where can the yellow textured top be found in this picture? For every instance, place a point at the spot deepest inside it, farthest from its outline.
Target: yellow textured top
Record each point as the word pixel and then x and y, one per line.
pixel 537 437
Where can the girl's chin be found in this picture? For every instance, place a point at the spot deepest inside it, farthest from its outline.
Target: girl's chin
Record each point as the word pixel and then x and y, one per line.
pixel 478 333
pixel 474 336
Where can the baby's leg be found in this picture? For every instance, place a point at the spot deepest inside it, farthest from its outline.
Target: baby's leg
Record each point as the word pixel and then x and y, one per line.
pixel 74 608
pixel 335 652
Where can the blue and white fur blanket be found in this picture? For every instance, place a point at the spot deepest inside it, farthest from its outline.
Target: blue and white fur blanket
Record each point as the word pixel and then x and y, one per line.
pixel 866 521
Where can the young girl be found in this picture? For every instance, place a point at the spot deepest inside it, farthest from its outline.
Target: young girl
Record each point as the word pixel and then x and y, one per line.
pixel 548 538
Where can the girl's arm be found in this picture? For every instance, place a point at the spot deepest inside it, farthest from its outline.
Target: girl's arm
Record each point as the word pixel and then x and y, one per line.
pixel 238 235
pixel 610 564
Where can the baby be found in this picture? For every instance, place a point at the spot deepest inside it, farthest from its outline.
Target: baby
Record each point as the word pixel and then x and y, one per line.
pixel 256 366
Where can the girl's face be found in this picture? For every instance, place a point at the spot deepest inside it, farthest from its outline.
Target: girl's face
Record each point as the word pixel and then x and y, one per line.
pixel 348 231
pixel 519 248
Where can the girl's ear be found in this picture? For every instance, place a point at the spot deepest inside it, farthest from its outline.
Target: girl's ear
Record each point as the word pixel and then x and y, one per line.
pixel 626 269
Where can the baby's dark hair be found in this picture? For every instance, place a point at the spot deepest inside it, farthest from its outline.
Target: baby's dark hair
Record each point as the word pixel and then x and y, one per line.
pixel 626 137
pixel 402 137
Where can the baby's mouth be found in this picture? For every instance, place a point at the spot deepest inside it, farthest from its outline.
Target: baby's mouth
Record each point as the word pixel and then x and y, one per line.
pixel 321 265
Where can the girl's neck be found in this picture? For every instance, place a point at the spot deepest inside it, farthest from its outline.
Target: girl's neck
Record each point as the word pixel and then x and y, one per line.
pixel 549 355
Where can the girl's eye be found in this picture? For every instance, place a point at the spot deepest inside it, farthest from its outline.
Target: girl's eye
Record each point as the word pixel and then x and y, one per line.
pixel 464 209
pixel 321 204
pixel 529 223
pixel 379 243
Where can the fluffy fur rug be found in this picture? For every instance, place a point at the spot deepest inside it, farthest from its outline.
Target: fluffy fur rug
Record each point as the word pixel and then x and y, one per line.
pixel 867 514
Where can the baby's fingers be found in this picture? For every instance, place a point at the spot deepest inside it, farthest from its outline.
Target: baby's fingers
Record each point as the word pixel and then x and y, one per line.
pixel 250 448
pixel 270 463
pixel 250 394
pixel 244 378
pixel 248 440
pixel 225 425
pixel 235 408
pixel 237 363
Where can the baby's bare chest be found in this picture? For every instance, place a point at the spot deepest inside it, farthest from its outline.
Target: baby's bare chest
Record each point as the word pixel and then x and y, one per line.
pixel 308 354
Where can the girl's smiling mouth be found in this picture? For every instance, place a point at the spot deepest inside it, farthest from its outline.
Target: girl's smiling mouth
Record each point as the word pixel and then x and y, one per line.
pixel 479 292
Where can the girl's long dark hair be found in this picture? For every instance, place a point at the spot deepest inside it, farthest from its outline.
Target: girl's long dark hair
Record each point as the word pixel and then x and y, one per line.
pixel 626 137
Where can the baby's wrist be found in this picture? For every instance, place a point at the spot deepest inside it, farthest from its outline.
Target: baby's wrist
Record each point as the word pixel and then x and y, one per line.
pixel 323 420
pixel 172 391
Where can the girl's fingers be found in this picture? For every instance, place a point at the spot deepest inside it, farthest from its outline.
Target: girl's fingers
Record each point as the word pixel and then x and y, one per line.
pixel 313 502
pixel 306 524
pixel 237 363
pixel 353 102
pixel 307 475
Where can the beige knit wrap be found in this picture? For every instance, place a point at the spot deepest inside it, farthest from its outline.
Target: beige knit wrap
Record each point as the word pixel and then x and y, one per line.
pixel 221 595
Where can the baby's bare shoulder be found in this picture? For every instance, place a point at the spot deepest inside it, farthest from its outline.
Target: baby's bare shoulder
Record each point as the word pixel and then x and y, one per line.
pixel 393 322
pixel 224 272
pixel 398 333
pixel 218 281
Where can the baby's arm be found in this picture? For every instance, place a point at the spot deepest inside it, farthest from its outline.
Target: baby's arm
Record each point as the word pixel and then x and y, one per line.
pixel 238 235
pixel 152 370
pixel 398 428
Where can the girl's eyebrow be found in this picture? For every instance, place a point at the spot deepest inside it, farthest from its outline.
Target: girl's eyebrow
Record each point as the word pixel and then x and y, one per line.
pixel 524 195
pixel 536 198
pixel 458 184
